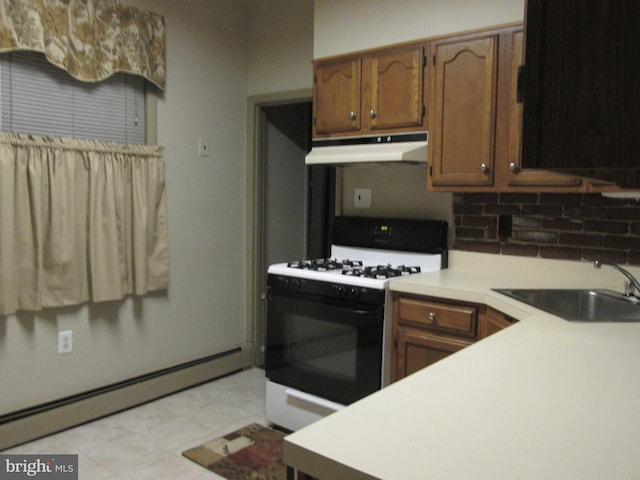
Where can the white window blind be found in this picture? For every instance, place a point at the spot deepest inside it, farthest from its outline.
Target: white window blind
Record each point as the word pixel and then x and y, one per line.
pixel 38 98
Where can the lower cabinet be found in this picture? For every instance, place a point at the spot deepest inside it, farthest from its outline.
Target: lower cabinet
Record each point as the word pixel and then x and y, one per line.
pixel 426 330
pixel 416 349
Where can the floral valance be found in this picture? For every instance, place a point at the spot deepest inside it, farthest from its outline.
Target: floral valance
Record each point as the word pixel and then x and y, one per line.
pixel 91 39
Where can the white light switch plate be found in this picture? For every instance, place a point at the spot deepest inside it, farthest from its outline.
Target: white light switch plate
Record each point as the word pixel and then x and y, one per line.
pixel 203 147
pixel 362 198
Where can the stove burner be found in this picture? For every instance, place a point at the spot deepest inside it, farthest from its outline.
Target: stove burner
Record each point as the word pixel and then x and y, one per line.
pixel 320 264
pixel 352 263
pixel 381 271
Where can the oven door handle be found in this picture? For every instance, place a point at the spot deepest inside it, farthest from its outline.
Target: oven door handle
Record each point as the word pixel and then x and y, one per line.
pixel 312 399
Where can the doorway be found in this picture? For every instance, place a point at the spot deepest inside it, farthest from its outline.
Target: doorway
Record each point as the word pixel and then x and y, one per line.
pixel 291 204
pixel 286 142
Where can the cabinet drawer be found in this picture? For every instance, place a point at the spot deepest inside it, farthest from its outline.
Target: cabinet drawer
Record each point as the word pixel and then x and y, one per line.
pixel 461 319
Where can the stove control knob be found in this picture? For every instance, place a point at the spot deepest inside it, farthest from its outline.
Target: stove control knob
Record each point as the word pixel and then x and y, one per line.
pixel 355 292
pixel 284 281
pixel 295 283
pixel 342 290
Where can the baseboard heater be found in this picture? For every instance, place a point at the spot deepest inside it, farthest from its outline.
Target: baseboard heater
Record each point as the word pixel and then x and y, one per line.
pixel 30 423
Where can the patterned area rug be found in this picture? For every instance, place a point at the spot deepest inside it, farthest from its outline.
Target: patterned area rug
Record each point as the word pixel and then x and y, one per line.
pixel 253 452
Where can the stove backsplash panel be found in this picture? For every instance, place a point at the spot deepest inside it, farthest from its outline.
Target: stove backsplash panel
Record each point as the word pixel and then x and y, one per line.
pixel 549 225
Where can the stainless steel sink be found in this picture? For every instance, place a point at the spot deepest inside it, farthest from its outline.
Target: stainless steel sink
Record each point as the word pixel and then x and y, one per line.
pixel 580 305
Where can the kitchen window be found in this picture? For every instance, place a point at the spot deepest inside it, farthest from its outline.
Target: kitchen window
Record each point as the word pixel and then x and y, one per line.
pixel 83 214
pixel 82 199
pixel 39 98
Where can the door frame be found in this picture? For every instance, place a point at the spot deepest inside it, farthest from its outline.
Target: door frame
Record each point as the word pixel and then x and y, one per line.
pixel 255 210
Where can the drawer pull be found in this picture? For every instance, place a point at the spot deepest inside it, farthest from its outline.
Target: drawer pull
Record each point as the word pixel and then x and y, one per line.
pixel 432 316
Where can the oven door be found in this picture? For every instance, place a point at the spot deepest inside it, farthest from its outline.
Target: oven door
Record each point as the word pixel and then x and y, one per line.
pixel 330 348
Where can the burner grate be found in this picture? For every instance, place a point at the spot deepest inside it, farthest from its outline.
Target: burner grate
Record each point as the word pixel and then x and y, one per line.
pixel 320 264
pixel 382 271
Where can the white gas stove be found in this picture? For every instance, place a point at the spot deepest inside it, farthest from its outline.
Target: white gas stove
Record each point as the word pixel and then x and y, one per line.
pixel 328 331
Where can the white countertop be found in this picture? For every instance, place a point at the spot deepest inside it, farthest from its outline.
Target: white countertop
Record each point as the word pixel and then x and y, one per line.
pixel 542 399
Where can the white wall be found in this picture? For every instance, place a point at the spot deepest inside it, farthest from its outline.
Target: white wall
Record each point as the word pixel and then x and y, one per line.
pixel 280 46
pixel 396 191
pixel 342 26
pixel 204 311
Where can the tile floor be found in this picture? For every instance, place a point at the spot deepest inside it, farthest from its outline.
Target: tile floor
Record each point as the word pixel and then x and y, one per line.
pixel 146 442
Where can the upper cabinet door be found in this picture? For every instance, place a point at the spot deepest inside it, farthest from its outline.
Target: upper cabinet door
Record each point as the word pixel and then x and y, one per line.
pixel 582 88
pixel 336 96
pixel 370 93
pixel 462 109
pixel 392 88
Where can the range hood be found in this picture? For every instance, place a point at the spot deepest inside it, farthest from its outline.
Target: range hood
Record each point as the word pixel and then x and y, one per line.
pixel 399 148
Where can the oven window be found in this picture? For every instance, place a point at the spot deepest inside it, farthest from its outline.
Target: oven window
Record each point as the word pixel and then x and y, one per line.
pixel 323 348
pixel 328 348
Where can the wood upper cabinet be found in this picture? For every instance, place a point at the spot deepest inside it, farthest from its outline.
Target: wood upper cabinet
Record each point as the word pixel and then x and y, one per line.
pixel 463 105
pixel 463 89
pixel 393 89
pixel 426 330
pixel 336 96
pixel 376 92
pixel 475 121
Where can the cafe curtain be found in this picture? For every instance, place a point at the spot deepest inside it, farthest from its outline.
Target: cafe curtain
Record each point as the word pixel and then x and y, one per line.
pixel 90 39
pixel 79 221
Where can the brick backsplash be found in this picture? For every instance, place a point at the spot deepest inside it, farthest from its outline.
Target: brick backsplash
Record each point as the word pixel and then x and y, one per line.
pixel 549 225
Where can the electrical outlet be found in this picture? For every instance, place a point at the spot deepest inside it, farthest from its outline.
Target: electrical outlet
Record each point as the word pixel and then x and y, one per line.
pixel 203 147
pixel 65 341
pixel 362 198
pixel 505 224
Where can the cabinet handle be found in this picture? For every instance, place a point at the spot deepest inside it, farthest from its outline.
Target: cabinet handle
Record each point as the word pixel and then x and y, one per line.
pixel 373 113
pixel 352 115
pixel 484 167
pixel 432 316
pixel 513 166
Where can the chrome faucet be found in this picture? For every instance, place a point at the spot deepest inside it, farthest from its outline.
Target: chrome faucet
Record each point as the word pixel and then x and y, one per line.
pixel 630 286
